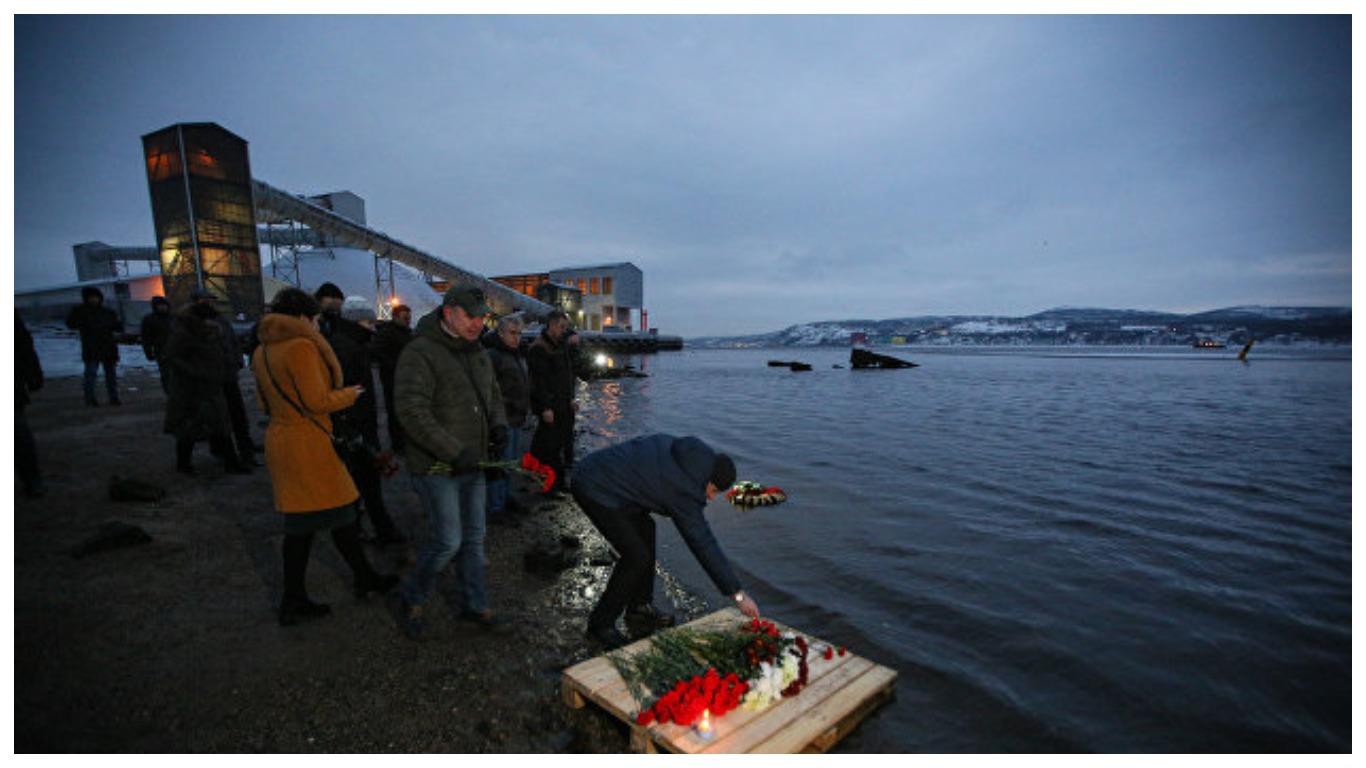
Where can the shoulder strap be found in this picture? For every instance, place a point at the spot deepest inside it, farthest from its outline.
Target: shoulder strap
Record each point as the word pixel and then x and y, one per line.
pixel 265 358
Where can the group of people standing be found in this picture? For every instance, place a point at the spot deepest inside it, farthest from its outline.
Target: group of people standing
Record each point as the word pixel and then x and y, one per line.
pixel 457 398
pixel 461 400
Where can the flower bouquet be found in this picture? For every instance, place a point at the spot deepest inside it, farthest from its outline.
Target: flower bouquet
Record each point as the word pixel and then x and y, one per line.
pixel 686 672
pixel 529 466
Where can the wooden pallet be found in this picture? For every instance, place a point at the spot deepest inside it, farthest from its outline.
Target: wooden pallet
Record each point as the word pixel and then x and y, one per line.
pixel 840 693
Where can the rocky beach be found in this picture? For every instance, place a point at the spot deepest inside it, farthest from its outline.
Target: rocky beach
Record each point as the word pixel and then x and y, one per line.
pixel 169 643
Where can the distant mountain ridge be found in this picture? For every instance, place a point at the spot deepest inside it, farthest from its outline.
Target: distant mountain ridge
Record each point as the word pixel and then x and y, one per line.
pixel 1069 325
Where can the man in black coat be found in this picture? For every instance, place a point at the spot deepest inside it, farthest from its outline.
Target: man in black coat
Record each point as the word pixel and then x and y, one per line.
pixel 98 326
pixel 552 397
pixel 242 443
pixel 350 342
pixel 28 377
pixel 390 339
pixel 156 329
pixel 619 488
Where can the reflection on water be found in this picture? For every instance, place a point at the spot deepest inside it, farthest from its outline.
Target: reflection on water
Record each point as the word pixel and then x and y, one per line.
pixel 1096 552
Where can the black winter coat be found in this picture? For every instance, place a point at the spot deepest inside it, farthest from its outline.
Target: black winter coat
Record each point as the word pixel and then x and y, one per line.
pixel 389 340
pixel 510 366
pixel 156 331
pixel 552 377
pixel 28 370
pixel 98 326
pixel 196 407
pixel 351 341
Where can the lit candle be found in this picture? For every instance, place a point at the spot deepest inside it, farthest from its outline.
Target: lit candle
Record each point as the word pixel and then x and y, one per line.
pixel 704 730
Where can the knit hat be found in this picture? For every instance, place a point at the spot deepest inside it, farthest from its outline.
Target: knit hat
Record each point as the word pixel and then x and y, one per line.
pixel 328 291
pixel 357 309
pixel 722 472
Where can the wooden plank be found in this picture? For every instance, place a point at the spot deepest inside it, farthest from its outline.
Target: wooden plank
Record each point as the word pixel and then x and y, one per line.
pixel 840 693
pixel 822 724
pixel 788 715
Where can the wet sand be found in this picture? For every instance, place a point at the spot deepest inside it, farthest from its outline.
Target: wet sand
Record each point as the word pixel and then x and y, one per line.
pixel 173 645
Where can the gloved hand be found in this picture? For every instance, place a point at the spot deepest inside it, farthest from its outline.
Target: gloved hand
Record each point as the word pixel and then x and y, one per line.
pixel 498 442
pixel 464 463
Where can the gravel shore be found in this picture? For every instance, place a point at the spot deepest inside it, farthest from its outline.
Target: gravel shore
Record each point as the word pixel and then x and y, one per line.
pixel 172 645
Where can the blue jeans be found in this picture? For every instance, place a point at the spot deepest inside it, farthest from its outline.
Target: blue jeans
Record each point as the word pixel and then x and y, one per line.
pixel 498 489
pixel 111 381
pixel 454 506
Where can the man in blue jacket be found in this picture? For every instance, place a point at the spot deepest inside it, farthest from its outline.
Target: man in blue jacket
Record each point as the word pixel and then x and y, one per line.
pixel 618 488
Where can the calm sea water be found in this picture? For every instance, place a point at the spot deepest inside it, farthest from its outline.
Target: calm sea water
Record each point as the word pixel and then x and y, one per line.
pixel 1070 550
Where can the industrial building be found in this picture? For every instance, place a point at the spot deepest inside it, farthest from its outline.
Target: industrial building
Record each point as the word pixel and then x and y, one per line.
pixel 599 297
pixel 214 223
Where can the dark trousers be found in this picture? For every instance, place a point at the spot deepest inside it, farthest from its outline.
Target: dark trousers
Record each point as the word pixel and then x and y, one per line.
pixel 296 552
pixel 219 445
pixel 26 453
pixel 164 371
pixel 632 583
pixel 553 444
pixel 368 481
pixel 386 382
pixel 237 414
pixel 111 379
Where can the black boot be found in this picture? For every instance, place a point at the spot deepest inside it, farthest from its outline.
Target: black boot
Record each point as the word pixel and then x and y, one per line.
pixel 374 583
pixel 183 450
pixel 297 610
pixel 643 620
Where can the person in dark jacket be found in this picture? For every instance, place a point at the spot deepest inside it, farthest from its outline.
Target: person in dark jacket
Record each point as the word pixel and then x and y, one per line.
pixel 156 330
pixel 350 341
pixel 196 408
pixel 447 396
pixel 509 365
pixel 28 377
pixel 390 339
pixel 243 444
pixel 552 397
pixel 98 326
pixel 618 488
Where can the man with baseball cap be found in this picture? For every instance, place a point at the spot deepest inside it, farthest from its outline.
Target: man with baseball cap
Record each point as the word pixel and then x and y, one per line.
pixel 451 410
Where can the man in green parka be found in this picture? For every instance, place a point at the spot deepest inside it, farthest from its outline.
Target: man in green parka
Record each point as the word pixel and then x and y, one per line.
pixel 451 410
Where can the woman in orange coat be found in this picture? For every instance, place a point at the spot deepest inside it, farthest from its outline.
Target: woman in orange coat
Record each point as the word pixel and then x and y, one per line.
pixel 298 383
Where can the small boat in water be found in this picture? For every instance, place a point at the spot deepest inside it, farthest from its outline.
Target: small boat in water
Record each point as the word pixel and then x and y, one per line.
pixel 863 359
pixel 1208 344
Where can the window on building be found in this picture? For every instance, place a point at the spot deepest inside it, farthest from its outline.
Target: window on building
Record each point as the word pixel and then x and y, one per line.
pixel 592 286
pixel 583 285
pixel 607 286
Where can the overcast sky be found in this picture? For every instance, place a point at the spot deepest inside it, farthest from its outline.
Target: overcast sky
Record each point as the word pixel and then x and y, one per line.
pixel 761 171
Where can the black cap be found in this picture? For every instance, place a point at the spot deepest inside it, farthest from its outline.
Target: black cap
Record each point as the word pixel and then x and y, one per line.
pixel 722 472
pixel 328 291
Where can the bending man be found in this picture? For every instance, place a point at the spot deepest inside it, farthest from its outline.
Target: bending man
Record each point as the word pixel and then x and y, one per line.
pixel 619 487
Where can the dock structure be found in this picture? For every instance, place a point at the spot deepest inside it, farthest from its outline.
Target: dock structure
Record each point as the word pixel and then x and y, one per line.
pixel 629 342
pixel 841 693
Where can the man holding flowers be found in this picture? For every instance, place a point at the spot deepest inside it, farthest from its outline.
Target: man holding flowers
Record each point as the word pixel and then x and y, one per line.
pixel 451 410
